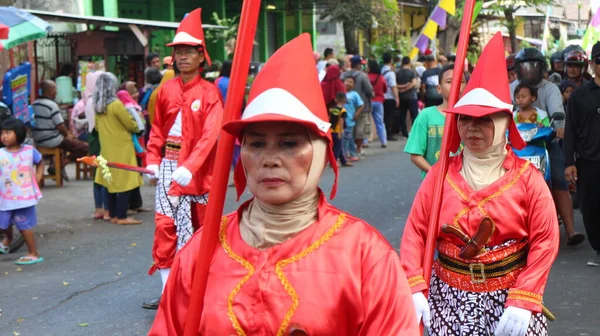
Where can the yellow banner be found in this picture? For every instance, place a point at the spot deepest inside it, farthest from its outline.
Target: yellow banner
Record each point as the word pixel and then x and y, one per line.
pixel 430 29
pixel 449 6
pixel 413 53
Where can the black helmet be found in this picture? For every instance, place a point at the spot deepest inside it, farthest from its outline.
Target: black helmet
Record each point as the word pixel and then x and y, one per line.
pixel 530 65
pixel 556 57
pixel 451 57
pixel 572 47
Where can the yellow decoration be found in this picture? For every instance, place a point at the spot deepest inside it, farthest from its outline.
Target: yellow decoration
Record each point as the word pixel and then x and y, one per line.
pixel 449 6
pixel 430 29
pixel 413 53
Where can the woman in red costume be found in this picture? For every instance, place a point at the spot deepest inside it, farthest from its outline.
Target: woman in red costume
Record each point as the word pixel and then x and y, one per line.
pixel 289 262
pixel 498 231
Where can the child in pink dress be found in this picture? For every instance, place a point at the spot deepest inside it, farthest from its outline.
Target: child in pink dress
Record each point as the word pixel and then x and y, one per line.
pixel 21 168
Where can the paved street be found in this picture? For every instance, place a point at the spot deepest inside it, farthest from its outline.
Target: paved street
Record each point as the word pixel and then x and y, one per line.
pixel 94 277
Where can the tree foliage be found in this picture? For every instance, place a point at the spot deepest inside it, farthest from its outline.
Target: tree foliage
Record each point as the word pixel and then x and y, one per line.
pixel 227 35
pixel 508 8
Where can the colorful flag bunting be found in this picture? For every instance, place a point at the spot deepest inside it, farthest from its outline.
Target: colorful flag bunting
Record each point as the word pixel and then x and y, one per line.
pixel 439 16
pixel 422 43
pixel 430 29
pixel 592 33
pixel 413 53
pixel 449 6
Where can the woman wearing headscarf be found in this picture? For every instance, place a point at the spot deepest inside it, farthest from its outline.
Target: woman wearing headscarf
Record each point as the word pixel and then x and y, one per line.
pixel 115 126
pixel 289 262
pixel 498 232
pixel 100 193
pixel 332 84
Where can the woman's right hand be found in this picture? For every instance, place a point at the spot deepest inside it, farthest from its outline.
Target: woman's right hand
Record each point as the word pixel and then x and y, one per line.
pixel 422 308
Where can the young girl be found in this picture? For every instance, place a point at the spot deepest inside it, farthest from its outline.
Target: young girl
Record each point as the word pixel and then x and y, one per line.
pixel 525 96
pixel 19 192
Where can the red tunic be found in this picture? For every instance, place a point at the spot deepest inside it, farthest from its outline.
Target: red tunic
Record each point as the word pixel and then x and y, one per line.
pixel 337 277
pixel 202 113
pixel 521 207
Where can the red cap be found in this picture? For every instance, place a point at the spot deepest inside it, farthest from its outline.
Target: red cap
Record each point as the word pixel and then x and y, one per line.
pixel 190 32
pixel 277 96
pixel 488 92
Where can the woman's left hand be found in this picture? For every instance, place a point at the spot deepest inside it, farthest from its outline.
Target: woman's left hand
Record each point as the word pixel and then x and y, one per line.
pixel 182 176
pixel 514 322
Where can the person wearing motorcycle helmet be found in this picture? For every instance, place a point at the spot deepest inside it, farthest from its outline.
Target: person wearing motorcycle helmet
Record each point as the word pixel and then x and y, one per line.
pixel 557 64
pixel 510 68
pixel 575 66
pixel 530 66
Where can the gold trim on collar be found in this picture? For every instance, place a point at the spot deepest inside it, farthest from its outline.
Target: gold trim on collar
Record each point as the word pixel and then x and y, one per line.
pixel 248 266
pixel 285 282
pixel 278 270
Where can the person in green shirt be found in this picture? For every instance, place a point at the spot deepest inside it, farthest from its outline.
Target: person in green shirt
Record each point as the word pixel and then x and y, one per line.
pixel 425 138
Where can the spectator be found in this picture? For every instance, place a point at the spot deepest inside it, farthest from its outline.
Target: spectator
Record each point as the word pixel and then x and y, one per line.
pixel 408 82
pixel 566 89
pixel 442 60
pixel 19 190
pixel 100 192
pixel 379 89
pixel 362 86
pixel 49 130
pixel 167 64
pixel 530 65
pixel 430 82
pixel 354 107
pixel 337 114
pixel 425 139
pixel 222 82
pixel 152 78
pixel 582 152
pixel 391 99
pixel 322 64
pixel 153 61
pixel 331 85
pixel 115 126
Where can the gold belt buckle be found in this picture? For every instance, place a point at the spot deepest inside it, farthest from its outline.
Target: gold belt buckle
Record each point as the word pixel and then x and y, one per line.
pixel 477 275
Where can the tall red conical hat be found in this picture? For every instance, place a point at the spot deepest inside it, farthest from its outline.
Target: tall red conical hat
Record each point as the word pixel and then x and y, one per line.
pixel 487 91
pixel 190 32
pixel 287 89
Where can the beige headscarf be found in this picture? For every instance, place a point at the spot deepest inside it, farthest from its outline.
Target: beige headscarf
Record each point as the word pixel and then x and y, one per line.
pixel 265 225
pixel 484 168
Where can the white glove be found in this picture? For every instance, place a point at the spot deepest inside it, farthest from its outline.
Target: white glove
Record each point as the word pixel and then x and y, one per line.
pixel 154 169
pixel 182 176
pixel 174 200
pixel 514 322
pixel 422 309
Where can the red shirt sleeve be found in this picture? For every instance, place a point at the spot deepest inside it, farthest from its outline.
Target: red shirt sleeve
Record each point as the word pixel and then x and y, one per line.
pixel 412 246
pixel 387 300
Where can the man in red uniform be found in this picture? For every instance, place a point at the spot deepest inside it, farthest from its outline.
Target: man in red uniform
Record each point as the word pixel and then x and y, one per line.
pixel 182 147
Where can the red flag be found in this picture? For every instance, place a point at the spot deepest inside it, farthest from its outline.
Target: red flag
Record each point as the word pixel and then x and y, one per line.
pixel 214 210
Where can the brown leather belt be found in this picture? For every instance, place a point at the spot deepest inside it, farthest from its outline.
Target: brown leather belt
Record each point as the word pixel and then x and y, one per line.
pixel 479 272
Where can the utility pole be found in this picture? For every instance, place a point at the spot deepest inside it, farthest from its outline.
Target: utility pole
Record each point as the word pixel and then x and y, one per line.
pixel 578 14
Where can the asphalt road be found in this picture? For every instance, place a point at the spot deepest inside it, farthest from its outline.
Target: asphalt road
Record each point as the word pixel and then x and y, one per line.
pixel 95 274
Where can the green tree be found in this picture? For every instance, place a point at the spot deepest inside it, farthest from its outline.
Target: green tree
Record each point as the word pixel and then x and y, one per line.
pixel 508 8
pixel 228 35
pixel 356 14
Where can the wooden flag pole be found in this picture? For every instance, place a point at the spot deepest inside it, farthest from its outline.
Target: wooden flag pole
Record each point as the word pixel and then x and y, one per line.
pixel 218 191
pixel 450 124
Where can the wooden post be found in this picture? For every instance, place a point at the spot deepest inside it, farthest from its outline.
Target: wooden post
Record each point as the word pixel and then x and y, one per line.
pixel 33 62
pixel 11 56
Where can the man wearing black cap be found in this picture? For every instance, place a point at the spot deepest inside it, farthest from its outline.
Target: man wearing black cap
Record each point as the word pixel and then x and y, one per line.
pixel 582 152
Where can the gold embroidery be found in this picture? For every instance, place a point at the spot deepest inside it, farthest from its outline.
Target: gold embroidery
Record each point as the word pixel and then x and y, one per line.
pixel 524 293
pixel 523 298
pixel 485 200
pixel 416 280
pixel 238 287
pixel 284 281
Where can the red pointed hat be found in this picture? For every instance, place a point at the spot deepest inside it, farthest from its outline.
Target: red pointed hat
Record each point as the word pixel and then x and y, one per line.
pixel 287 89
pixel 190 32
pixel 487 91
